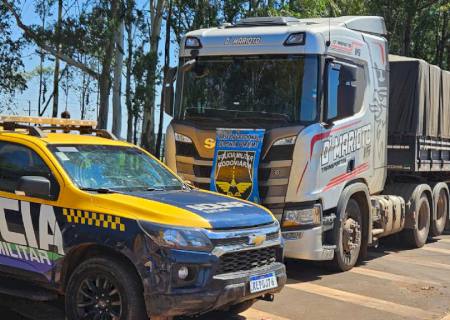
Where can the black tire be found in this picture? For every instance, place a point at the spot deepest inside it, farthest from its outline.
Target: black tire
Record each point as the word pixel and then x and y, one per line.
pixel 241 307
pixel 438 225
pixel 104 286
pixel 418 236
pixel 348 237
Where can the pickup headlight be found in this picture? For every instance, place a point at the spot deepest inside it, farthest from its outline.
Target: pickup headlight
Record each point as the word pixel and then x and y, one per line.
pixel 177 238
pixel 302 217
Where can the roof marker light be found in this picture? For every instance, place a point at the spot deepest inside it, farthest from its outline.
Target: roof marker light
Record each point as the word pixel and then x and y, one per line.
pixel 192 43
pixel 295 39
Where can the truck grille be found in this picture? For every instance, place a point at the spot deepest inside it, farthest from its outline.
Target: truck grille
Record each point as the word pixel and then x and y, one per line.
pixel 274 171
pixel 247 260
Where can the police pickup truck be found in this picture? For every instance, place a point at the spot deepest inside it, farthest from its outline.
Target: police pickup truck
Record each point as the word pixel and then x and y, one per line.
pixel 108 226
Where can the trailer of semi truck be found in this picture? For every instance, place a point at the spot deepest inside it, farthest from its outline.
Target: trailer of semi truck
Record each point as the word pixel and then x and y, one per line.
pixel 356 142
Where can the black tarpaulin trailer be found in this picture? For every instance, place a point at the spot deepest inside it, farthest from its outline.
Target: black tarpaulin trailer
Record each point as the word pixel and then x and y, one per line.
pixel 419 116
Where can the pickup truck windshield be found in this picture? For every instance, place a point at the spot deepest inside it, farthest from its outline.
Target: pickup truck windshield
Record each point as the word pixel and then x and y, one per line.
pixel 276 88
pixel 100 168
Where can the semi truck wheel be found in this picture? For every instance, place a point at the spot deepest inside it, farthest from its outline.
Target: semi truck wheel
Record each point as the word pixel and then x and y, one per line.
pixel 417 237
pixel 441 206
pixel 104 288
pixel 348 237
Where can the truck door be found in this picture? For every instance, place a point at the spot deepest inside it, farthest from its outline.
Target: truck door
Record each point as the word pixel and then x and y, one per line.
pixel 347 148
pixel 28 227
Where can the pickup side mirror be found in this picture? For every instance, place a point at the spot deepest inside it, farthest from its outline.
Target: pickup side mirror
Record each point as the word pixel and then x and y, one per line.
pixel 34 186
pixel 341 91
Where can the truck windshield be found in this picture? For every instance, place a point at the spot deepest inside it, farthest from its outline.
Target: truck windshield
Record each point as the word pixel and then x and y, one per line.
pixel 100 168
pixel 276 88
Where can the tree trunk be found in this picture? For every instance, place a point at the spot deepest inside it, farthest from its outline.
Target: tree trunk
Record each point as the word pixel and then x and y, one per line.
pixel 56 73
pixel 136 119
pixel 105 77
pixel 41 80
pixel 84 85
pixel 117 88
pixel 442 40
pixel 410 9
pixel 162 104
pixel 129 63
pixel 148 123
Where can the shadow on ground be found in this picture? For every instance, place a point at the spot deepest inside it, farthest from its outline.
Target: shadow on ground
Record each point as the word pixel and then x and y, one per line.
pixel 12 308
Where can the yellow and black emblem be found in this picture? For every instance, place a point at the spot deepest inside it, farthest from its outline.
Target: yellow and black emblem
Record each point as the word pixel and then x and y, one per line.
pixel 234 173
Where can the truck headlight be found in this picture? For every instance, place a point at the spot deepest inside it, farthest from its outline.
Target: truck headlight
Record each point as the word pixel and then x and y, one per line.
pixel 285 141
pixel 177 238
pixel 182 138
pixel 302 217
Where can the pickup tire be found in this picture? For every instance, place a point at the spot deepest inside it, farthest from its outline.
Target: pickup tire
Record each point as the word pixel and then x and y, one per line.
pixel 348 235
pixel 104 288
pixel 417 237
pixel 441 210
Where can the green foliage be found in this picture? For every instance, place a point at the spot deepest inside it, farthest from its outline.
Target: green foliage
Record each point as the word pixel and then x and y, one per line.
pixel 11 66
pixel 418 28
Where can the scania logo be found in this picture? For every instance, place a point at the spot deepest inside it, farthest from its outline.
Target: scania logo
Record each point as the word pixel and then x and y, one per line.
pixel 256 239
pixel 209 143
pixel 242 41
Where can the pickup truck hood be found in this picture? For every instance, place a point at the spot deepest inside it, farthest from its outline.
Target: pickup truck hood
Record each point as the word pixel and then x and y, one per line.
pixel 189 208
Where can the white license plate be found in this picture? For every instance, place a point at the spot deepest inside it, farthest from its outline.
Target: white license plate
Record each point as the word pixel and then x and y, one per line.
pixel 263 282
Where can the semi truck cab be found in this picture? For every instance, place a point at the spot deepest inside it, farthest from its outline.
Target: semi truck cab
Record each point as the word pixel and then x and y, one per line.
pixel 319 88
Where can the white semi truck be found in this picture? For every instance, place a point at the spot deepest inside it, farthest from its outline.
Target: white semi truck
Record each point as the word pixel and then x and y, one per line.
pixel 356 144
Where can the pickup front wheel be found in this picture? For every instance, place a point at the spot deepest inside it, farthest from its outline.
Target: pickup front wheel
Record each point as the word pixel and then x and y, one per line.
pixel 348 237
pixel 105 289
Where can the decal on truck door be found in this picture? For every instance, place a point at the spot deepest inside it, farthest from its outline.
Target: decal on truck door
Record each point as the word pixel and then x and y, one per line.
pixel 336 148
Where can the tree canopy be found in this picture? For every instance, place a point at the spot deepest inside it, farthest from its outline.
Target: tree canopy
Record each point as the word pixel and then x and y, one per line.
pixel 88 48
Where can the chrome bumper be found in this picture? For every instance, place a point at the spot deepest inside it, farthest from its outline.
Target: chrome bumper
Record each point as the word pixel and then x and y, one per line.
pixel 307 245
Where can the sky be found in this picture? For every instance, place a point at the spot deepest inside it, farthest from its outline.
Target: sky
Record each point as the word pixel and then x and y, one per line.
pixel 28 99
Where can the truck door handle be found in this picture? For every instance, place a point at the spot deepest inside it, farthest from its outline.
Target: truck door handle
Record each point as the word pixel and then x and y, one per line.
pixel 351 165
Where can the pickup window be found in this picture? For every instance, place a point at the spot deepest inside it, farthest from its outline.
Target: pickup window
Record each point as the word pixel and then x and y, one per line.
pixel 17 161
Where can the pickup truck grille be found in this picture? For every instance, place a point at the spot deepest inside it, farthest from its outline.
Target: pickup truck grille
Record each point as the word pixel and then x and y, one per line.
pixel 241 240
pixel 273 173
pixel 247 260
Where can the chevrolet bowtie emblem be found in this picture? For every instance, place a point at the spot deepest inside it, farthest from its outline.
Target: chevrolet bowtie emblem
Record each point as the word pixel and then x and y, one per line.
pixel 256 240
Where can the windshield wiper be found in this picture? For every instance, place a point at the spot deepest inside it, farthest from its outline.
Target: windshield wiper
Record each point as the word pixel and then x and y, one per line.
pixel 154 189
pixel 100 190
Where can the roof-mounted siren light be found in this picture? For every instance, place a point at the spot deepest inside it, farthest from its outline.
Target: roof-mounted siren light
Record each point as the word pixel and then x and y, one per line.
pixel 192 43
pixel 296 39
pixel 48 121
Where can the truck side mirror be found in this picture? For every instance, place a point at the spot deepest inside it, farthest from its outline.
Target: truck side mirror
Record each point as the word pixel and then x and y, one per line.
pixel 169 91
pixel 341 92
pixel 168 99
pixel 34 186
